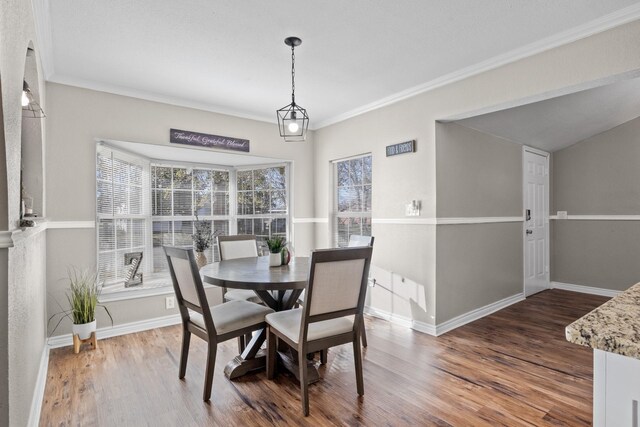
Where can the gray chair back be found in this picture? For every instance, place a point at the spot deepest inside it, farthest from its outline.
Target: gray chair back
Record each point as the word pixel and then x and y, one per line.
pixel 187 285
pixel 240 246
pixel 337 283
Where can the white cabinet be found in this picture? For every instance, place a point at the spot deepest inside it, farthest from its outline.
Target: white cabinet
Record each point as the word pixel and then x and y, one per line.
pixel 616 390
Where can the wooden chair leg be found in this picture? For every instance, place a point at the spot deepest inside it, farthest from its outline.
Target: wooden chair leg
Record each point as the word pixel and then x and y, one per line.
pixel 357 357
pixel 184 354
pixel 323 356
pixel 241 344
pixel 363 333
pixel 271 354
pixel 208 376
pixel 304 382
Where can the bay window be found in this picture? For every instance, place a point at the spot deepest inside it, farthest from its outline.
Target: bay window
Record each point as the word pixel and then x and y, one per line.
pixel 144 204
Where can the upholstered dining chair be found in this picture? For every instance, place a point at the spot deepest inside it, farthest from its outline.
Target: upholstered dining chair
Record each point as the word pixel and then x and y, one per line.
pixel 240 246
pixel 331 315
pixel 213 324
pixel 355 240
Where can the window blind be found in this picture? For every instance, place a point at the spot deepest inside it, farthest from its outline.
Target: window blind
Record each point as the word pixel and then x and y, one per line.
pixel 178 194
pixel 262 202
pixel 352 199
pixel 121 188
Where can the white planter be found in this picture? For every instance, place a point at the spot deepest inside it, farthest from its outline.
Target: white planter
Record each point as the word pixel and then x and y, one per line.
pixel 84 330
pixel 275 260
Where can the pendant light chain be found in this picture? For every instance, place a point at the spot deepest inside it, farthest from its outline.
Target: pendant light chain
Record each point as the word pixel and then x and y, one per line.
pixel 293 75
pixel 293 120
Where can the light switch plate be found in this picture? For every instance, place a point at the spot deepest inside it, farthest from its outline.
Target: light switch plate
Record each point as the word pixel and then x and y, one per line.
pixel 412 208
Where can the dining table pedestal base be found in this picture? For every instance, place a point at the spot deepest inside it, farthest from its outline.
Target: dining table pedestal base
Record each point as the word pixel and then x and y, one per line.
pixel 240 366
pixel 289 361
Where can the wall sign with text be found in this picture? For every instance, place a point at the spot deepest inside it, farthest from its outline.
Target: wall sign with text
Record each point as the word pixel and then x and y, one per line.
pixel 401 148
pixel 178 136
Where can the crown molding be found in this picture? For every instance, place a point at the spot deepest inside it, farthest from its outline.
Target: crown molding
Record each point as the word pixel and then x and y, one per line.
pixel 155 97
pixel 606 22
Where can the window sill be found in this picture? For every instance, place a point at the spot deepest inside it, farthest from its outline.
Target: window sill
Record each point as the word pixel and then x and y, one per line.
pixel 154 286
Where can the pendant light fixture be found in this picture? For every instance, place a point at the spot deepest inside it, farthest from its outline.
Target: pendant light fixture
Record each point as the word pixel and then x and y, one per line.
pixel 30 107
pixel 293 120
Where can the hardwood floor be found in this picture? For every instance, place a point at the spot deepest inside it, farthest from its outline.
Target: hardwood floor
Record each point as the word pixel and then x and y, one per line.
pixel 511 368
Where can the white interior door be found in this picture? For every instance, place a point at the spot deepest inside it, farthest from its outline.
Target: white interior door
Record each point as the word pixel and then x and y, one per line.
pixel 536 224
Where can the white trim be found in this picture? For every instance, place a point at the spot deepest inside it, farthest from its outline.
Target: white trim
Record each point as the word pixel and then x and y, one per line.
pixel 599 217
pixel 6 239
pixel 126 294
pixel 449 325
pixel 38 390
pixel 479 220
pixel 71 224
pixel 416 221
pixel 157 97
pixel 606 22
pixel 585 289
pixel 423 327
pixel 124 329
pixel 310 220
pixel 478 313
pixel 448 221
pixel 535 151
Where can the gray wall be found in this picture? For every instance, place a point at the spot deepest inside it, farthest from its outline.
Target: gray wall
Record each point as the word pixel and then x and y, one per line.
pixel 478 175
pixel 398 180
pixel 478 264
pixel 78 116
pixel 598 176
pixel 22 284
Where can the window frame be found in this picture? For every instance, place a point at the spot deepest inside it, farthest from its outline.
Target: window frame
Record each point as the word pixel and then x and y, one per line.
pixel 335 213
pixel 157 283
pixel 288 198
pixel 145 187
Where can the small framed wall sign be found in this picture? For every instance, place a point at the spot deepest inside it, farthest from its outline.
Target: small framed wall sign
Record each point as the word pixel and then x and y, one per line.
pixel 401 148
pixel 178 136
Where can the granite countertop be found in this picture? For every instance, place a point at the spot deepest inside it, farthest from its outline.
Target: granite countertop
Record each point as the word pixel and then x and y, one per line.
pixel 613 327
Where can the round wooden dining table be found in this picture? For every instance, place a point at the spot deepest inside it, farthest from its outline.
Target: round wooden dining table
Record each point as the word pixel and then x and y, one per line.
pixel 278 287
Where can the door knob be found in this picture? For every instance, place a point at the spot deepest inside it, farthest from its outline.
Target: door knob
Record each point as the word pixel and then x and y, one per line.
pixel 529 231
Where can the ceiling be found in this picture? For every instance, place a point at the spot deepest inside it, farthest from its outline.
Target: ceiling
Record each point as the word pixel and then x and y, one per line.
pixel 557 123
pixel 190 155
pixel 356 55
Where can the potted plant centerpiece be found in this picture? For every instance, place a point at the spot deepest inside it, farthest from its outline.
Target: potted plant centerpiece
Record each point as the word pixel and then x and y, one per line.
pixel 202 239
pixel 82 295
pixel 275 244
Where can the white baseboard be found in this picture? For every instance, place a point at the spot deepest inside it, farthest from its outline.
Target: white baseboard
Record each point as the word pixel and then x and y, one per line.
pixel 127 328
pixel 449 325
pixel 390 317
pixel 38 390
pixel 585 289
pixel 476 314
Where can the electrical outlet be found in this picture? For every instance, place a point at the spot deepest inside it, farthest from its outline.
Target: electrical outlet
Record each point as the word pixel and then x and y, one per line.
pixel 169 302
